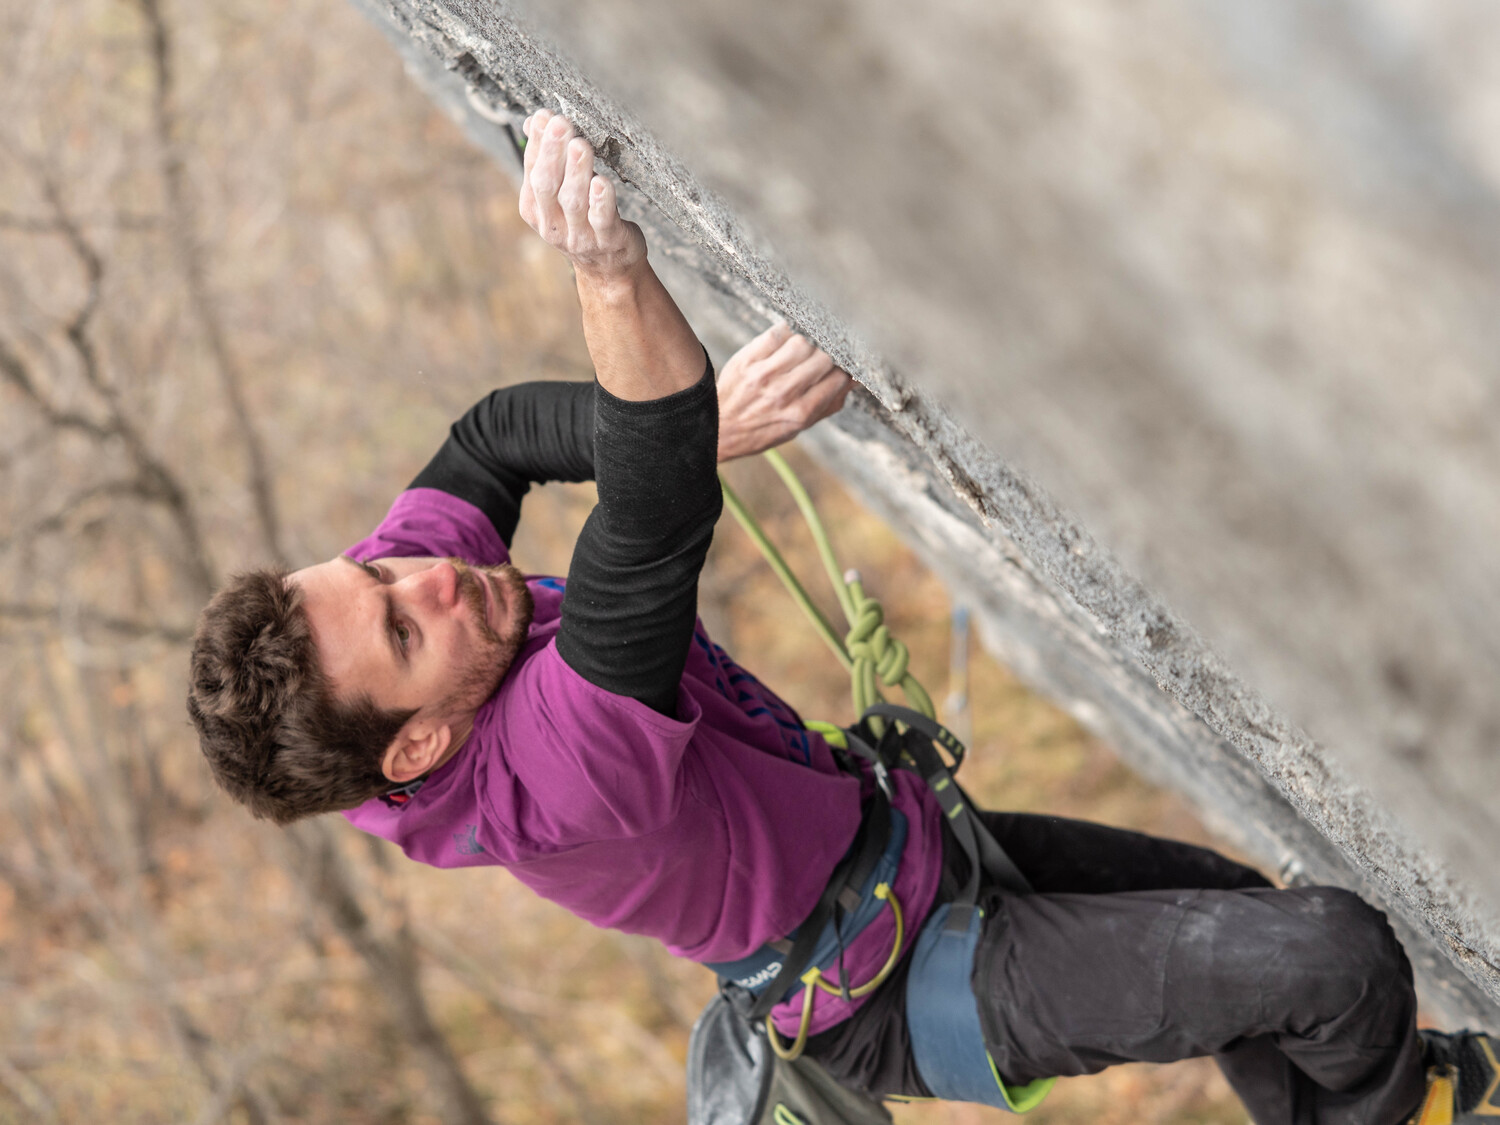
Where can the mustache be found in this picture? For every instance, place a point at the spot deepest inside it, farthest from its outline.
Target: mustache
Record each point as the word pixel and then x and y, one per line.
pixel 473 596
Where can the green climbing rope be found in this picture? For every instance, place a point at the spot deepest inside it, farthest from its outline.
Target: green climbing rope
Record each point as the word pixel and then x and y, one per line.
pixel 873 658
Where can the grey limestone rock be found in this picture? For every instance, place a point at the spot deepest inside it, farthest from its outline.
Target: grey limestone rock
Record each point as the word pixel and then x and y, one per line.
pixel 994 195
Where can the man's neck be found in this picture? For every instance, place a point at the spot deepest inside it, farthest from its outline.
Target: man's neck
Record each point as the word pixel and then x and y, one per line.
pixel 461 733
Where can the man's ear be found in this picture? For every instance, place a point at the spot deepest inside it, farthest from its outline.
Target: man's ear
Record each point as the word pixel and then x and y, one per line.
pixel 417 748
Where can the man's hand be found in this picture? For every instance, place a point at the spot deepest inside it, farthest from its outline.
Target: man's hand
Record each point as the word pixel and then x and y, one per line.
pixel 772 389
pixel 571 207
pixel 641 345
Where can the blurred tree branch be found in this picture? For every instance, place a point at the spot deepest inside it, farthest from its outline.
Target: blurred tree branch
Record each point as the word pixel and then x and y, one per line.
pixel 153 479
pixel 31 224
pixel 31 1096
pixel 17 373
pixel 392 962
pixel 538 1041
pixel 188 248
pixel 93 618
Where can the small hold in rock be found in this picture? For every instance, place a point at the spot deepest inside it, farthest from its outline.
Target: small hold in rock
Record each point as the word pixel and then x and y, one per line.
pixel 1158 635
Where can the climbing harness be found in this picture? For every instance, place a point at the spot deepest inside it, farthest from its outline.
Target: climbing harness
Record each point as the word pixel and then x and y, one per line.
pixel 860 887
pixel 942 1015
pixel 873 657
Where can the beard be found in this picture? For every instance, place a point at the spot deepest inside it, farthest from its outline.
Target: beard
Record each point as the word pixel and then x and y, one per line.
pixel 481 678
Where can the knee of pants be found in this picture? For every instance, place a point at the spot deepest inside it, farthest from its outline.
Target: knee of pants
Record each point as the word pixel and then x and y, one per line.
pixel 1346 952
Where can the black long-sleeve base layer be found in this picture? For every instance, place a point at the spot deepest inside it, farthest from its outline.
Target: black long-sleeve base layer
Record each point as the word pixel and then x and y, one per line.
pixel 632 593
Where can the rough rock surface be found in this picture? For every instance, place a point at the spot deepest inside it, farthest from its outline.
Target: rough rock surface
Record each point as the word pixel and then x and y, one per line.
pixel 994 193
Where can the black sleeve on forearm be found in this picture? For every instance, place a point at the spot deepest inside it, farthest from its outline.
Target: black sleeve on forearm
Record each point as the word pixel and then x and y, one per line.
pixel 632 594
pixel 514 437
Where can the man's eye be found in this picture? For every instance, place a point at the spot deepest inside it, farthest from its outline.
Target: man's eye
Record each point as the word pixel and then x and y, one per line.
pixel 403 634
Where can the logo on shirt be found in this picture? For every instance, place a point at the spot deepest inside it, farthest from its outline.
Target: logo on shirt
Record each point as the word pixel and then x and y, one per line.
pixel 467 841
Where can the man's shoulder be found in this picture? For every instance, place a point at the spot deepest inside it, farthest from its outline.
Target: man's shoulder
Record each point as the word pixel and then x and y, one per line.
pixel 428 521
pixel 542 680
pixel 547 722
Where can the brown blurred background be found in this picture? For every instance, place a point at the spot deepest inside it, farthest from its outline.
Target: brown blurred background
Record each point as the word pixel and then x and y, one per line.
pixel 247 277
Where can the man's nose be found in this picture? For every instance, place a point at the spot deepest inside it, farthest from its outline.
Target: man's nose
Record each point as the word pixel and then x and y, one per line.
pixel 437 583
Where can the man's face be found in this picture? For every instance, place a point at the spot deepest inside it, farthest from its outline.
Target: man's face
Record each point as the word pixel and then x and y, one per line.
pixel 424 634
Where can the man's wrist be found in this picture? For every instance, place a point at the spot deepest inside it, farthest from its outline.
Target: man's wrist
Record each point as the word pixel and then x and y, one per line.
pixel 612 285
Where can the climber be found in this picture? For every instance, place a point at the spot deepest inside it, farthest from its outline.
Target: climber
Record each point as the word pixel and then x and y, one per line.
pixel 591 737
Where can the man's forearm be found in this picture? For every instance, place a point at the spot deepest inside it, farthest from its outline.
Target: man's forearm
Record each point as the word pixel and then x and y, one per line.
pixel 641 345
pixel 627 617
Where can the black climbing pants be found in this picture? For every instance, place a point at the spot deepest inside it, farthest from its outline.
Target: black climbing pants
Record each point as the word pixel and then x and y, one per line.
pixel 1136 949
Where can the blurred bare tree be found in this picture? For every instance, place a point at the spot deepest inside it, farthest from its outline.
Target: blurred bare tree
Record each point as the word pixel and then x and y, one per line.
pixel 247 278
pixel 127 414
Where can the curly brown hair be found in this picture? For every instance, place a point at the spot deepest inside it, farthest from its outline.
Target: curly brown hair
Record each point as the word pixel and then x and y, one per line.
pixel 275 737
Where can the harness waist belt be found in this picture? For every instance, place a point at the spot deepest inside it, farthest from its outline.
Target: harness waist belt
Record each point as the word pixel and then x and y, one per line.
pixel 756 972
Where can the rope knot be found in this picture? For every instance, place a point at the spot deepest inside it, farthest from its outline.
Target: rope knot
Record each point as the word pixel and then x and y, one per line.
pixel 870 640
pixel 873 657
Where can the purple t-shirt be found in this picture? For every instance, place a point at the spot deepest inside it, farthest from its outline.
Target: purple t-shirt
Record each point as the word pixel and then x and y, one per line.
pixel 713 831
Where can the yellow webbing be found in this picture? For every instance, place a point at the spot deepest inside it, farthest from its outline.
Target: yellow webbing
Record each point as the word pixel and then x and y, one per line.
pixel 1437 1106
